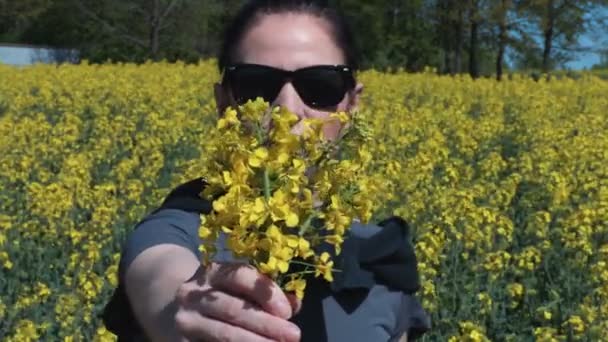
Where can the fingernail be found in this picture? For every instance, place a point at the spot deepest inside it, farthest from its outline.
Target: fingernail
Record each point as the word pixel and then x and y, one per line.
pixel 285 310
pixel 294 332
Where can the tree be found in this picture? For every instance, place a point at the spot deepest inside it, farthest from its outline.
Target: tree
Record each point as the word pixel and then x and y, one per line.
pixel 451 35
pixel 410 35
pixel 561 24
pixel 499 15
pixel 16 16
pixel 476 18
pixel 155 14
pixel 133 30
pixel 392 32
pixel 603 64
pixel 450 26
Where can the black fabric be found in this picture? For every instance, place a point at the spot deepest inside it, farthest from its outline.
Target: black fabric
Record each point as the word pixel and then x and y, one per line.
pixel 187 197
pixel 118 317
pixel 414 320
pixel 386 258
pixel 310 319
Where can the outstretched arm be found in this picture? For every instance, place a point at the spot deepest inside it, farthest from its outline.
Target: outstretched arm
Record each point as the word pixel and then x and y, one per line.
pixel 175 299
pixel 152 281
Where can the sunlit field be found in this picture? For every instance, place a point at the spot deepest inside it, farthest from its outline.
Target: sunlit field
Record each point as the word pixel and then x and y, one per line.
pixel 505 186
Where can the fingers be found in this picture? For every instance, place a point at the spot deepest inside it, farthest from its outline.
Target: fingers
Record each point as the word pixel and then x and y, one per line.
pixel 234 302
pixel 243 280
pixel 239 312
pixel 296 303
pixel 195 327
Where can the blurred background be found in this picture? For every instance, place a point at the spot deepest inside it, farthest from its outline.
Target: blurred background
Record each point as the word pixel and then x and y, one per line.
pixel 504 184
pixel 479 37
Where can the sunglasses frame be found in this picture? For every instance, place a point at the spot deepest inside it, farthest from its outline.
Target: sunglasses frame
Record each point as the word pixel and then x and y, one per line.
pixel 346 72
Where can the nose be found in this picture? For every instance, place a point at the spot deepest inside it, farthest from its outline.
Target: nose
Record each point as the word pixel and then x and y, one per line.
pixel 288 98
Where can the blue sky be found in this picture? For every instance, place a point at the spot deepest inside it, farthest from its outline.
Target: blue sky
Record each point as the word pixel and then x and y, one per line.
pixel 587 60
pixel 596 40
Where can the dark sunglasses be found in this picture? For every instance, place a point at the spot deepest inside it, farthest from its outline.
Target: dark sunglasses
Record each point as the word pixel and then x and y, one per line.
pixel 320 86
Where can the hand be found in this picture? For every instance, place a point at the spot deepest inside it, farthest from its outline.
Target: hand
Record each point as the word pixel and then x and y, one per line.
pixel 234 302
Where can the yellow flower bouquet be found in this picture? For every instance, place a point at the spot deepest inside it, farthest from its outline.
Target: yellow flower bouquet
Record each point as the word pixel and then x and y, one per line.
pixel 278 196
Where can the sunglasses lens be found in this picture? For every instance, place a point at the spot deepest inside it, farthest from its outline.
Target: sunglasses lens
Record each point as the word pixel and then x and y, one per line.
pixel 321 88
pixel 250 82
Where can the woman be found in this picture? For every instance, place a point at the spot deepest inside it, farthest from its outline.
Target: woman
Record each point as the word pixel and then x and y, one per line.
pixel 165 294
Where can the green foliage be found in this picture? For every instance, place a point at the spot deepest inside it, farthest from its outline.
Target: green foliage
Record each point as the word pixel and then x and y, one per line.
pixel 15 16
pixel 451 36
pixel 503 185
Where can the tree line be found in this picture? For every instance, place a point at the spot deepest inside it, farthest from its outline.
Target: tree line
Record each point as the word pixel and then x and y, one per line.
pixel 480 37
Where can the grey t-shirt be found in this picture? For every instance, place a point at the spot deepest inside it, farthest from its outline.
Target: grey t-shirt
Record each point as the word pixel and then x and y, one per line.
pixel 367 315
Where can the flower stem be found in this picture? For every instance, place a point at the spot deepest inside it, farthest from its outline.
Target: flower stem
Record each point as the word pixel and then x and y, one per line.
pixel 307 223
pixel 260 136
pixel 266 185
pixel 296 262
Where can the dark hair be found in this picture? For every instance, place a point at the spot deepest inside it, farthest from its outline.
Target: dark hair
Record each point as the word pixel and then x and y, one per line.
pixel 249 13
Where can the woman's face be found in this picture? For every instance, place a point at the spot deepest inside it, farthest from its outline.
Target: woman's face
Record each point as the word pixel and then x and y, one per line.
pixel 292 41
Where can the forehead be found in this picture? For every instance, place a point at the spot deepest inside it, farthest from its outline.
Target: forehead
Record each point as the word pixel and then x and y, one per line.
pixel 290 41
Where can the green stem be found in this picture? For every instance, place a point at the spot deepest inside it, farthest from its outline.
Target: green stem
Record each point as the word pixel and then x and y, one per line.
pixel 303 272
pixel 266 185
pixel 260 136
pixel 301 263
pixel 312 271
pixel 310 265
pixel 307 223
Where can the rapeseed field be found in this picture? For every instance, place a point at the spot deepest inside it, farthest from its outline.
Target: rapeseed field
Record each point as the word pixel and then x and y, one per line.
pixel 504 185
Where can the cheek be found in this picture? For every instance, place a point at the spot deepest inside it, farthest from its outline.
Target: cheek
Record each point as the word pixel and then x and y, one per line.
pixel 332 128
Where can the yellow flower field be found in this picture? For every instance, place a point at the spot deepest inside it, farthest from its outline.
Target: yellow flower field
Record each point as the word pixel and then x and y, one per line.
pixel 505 186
